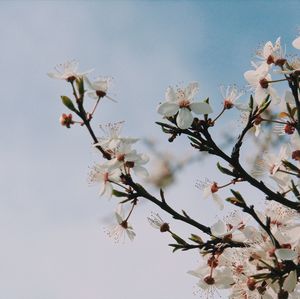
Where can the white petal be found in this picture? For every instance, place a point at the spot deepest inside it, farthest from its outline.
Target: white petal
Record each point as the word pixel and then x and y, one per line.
pixel 131 234
pixel 170 95
pixel 115 175
pixel 191 90
pixel 268 49
pixel 184 118
pixel 241 106
pixel 207 192
pixel 219 229
pixel 260 94
pixel 296 43
pixel 107 190
pixel 92 94
pixel 140 171
pixel 286 254
pixel 217 199
pixel 168 109
pixel 290 282
pixel 251 77
pixel 201 108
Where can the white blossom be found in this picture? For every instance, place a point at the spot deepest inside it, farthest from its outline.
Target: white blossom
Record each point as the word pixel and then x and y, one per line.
pixel 105 175
pixel 181 102
pixel 99 87
pixel 67 71
pixel 258 80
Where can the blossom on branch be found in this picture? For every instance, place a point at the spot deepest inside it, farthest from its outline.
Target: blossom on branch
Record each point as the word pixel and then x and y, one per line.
pixel 180 103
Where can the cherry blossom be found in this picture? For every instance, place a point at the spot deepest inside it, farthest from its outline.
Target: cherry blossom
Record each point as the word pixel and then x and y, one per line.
pixel 67 71
pixel 181 102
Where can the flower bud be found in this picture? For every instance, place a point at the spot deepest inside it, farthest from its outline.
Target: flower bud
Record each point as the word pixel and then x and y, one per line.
pixel 66 120
pixel 289 129
pixel 296 155
pixel 251 284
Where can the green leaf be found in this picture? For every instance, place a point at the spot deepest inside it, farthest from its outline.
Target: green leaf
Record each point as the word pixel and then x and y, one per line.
pixel 178 239
pixel 225 170
pixel 175 247
pixel 196 239
pixel 238 196
pixel 235 201
pixel 68 103
pixel 251 102
pixel 265 104
pixel 290 166
pixel 119 193
pixel 80 86
pixel 295 190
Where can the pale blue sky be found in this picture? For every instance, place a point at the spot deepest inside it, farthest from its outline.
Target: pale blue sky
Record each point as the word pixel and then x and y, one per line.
pixel 53 245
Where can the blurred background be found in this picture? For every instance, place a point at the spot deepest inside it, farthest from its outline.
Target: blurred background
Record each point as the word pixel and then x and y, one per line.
pixel 52 222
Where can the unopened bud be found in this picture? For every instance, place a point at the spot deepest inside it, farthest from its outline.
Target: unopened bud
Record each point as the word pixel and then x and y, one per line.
pixel 66 120
pixel 296 155
pixel 289 128
pixel 251 284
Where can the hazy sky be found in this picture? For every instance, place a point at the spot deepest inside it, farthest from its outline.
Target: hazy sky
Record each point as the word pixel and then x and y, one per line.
pixel 51 222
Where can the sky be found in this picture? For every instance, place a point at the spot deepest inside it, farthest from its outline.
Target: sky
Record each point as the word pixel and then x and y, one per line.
pixel 52 223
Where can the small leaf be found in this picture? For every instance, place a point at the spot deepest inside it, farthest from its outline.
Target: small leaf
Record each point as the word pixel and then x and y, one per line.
pixel 251 102
pixel 295 190
pixel 290 166
pixel 119 193
pixel 196 239
pixel 68 103
pixel 238 195
pixel 265 104
pixel 235 201
pixel 225 170
pixel 80 86
pixel 293 111
pixel 178 239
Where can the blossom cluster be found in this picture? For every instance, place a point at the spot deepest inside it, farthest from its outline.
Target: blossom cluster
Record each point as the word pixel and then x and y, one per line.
pixel 255 257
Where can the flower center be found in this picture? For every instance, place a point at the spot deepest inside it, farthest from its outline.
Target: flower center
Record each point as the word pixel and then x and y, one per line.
pixel 214 188
pixel 264 83
pixel 100 93
pixel 184 104
pixel 209 280
pixel 228 104
pixel 120 157
pixel 270 59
